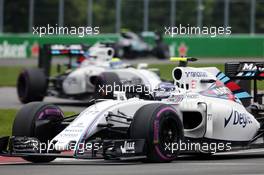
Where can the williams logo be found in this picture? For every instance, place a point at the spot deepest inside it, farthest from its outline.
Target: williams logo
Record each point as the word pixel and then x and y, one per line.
pixel 237 118
pixel 128 147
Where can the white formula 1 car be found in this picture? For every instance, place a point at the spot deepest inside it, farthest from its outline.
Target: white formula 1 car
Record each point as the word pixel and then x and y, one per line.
pixel 96 71
pixel 198 113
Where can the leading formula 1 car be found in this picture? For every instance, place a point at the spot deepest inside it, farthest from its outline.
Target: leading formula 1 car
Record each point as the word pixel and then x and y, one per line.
pixel 84 78
pixel 201 108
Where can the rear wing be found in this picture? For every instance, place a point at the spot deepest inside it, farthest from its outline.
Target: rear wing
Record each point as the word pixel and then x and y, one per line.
pixel 73 49
pixel 47 51
pixel 245 72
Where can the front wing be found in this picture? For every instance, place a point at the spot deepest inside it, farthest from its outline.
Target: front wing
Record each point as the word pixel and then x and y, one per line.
pixel 109 149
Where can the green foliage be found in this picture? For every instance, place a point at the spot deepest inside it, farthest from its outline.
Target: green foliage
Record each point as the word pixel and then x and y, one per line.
pixel 16 14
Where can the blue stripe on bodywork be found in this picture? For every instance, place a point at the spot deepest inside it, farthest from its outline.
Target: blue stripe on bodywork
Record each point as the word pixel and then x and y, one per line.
pixel 221 75
pixel 242 95
pixel 248 74
pixel 225 79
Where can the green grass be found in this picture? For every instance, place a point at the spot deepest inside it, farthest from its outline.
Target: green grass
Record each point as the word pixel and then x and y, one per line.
pixel 7 118
pixel 8 75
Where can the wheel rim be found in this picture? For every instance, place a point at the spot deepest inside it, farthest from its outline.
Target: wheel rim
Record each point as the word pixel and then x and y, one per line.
pixel 168 135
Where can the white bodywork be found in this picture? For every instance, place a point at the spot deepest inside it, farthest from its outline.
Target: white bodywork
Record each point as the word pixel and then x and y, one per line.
pixel 222 119
pixel 79 80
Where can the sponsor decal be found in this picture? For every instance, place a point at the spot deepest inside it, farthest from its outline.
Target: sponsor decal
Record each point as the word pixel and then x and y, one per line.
pixel 128 147
pixel 221 91
pixel 193 96
pixel 79 125
pixel 196 74
pixel 237 118
pixel 8 50
pixel 35 50
pixel 175 99
pixel 71 81
pixel 182 49
pixel 252 67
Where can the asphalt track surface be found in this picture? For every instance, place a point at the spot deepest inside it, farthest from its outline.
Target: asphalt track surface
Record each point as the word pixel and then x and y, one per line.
pixel 247 164
pixel 9 100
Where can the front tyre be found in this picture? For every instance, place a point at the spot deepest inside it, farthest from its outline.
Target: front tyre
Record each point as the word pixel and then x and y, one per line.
pixel 38 119
pixel 160 125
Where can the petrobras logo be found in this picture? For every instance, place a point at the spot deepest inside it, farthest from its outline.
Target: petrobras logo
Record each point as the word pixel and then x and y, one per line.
pixel 196 74
pixel 237 118
pixel 252 67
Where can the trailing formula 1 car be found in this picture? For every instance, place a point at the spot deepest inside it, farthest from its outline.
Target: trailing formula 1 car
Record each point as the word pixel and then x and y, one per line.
pixel 84 78
pixel 198 113
pixel 130 45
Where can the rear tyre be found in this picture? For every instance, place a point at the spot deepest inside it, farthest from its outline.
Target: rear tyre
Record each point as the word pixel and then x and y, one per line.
pixel 37 119
pixel 31 85
pixel 159 125
pixel 162 51
pixel 106 84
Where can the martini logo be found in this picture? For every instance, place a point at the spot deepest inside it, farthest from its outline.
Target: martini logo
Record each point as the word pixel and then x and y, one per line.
pixel 252 67
pixel 8 50
pixel 237 118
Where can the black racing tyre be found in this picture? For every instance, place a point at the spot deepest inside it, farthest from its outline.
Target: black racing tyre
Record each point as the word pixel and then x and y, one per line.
pixel 159 125
pixel 128 52
pixel 28 123
pixel 119 52
pixel 162 51
pixel 106 84
pixel 31 85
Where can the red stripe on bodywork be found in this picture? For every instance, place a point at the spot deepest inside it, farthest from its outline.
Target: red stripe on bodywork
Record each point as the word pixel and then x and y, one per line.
pixel 232 86
pixel 261 75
